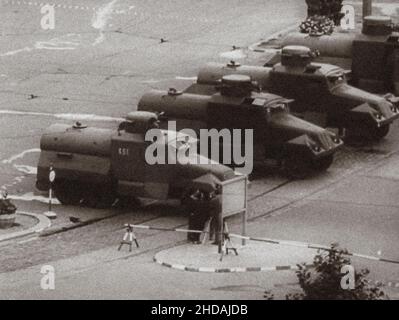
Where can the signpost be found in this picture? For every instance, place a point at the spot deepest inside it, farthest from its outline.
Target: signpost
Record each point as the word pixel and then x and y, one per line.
pixel 367 8
pixel 234 202
pixel 50 214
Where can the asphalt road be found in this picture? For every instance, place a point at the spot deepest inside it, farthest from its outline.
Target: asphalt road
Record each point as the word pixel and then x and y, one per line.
pixel 94 66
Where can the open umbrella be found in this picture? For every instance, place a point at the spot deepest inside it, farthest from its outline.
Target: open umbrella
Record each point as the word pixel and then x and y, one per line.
pixel 207 183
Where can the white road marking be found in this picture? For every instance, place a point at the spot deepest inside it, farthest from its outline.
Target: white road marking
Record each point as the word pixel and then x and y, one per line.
pixel 68 42
pixel 26 169
pixel 234 54
pixel 64 116
pixel 11 53
pixel 31 197
pixel 20 156
pixel 100 20
pixel 150 81
pixel 187 78
pixel 28 240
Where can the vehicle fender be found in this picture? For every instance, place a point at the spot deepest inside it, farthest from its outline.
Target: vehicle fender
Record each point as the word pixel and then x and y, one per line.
pixel 364 113
pixel 286 122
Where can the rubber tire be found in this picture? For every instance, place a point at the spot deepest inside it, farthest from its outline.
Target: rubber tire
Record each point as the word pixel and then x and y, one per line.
pixel 381 132
pixel 367 134
pixel 99 197
pixel 68 192
pixel 323 164
pixel 128 202
pixel 295 169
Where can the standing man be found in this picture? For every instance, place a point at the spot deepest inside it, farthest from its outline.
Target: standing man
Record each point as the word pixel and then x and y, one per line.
pixel 197 215
pixel 204 207
pixel 215 216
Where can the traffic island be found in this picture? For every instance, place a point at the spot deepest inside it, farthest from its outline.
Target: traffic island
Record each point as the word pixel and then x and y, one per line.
pixel 254 257
pixel 25 224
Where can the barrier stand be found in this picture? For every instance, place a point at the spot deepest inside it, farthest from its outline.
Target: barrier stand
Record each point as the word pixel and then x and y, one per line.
pixel 129 235
pixel 227 244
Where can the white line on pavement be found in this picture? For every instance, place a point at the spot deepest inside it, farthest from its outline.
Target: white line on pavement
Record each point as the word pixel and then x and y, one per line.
pixel 31 197
pixel 100 20
pixel 64 116
pixel 20 155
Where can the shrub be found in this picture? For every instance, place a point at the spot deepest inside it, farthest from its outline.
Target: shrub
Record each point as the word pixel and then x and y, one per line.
pixel 322 281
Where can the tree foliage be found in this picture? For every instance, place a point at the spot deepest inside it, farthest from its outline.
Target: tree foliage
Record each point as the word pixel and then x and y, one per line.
pixel 322 281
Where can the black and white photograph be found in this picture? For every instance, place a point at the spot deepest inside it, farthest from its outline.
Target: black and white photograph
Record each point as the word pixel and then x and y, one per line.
pixel 210 153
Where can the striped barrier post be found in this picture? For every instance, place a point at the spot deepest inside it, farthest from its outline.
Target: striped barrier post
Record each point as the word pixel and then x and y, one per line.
pixel 312 246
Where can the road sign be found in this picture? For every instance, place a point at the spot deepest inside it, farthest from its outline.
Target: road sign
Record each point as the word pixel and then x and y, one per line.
pixel 50 214
pixel 51 175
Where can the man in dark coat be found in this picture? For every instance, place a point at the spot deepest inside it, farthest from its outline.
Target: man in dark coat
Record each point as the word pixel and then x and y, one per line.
pixel 204 206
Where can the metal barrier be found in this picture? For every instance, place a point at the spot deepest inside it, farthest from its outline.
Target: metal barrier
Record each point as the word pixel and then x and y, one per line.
pixel 227 241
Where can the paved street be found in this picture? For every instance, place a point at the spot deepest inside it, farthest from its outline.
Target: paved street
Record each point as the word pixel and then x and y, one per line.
pixel 93 67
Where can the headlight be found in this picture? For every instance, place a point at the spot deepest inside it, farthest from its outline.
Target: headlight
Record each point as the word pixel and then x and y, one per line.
pixel 336 140
pixel 313 145
pixel 316 148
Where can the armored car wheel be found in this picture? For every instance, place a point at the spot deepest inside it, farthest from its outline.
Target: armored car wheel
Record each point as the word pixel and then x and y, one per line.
pixel 380 133
pixel 296 168
pixel 364 133
pixel 68 192
pixel 99 197
pixel 128 202
pixel 323 164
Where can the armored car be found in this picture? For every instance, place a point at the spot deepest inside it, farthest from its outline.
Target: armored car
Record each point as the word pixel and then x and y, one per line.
pixel 319 88
pixel 296 145
pixel 95 166
pixel 372 54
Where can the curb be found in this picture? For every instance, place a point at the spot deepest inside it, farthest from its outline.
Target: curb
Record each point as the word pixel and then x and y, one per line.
pixel 181 267
pixel 43 223
pixel 71 226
